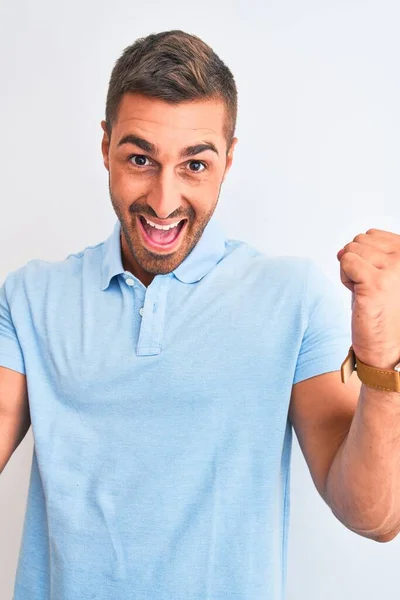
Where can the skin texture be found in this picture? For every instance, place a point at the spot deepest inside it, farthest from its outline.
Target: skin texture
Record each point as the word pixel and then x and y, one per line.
pixel 370 269
pixel 161 183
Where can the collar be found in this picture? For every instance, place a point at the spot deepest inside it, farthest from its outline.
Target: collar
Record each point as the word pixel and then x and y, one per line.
pixel 209 250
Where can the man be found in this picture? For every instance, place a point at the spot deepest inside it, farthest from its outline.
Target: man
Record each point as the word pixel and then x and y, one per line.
pixel 162 370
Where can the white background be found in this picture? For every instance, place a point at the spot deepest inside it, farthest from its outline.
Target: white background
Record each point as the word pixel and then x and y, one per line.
pixel 316 164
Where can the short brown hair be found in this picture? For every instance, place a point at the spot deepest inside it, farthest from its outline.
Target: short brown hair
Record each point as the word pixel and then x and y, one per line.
pixel 173 66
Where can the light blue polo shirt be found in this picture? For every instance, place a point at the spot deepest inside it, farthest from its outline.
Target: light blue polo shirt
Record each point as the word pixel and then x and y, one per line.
pixel 162 445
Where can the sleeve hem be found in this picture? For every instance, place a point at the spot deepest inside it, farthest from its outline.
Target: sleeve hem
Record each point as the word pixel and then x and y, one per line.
pixel 319 367
pixel 10 362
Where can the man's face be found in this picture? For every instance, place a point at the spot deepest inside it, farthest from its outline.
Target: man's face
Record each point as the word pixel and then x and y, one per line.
pixel 166 163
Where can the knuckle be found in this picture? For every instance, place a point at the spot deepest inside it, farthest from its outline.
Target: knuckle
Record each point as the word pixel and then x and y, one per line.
pixel 351 247
pixel 359 238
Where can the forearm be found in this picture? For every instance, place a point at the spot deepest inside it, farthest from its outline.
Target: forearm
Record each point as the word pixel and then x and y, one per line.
pixel 363 484
pixel 13 429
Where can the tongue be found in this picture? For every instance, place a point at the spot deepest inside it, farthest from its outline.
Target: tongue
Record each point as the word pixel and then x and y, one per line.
pixel 161 236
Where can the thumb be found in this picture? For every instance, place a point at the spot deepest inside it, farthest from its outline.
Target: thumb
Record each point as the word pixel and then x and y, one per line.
pixel 347 282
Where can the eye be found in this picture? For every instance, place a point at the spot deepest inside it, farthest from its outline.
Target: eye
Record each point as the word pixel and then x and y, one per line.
pixel 197 166
pixel 138 160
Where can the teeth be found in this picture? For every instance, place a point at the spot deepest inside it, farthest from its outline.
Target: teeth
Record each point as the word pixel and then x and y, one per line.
pixel 165 227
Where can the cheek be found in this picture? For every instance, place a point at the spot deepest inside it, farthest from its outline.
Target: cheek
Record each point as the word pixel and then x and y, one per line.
pixel 123 183
pixel 210 187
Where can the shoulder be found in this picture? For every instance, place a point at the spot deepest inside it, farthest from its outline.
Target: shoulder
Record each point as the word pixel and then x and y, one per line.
pixel 284 270
pixel 37 274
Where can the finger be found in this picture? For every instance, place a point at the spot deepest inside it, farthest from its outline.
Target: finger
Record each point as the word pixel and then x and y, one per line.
pixel 382 233
pixel 357 271
pixel 347 282
pixel 376 256
pixel 383 240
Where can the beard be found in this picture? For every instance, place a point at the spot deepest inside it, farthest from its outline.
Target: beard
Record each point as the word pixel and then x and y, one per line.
pixel 139 254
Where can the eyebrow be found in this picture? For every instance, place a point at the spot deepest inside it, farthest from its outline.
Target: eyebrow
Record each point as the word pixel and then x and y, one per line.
pixel 152 149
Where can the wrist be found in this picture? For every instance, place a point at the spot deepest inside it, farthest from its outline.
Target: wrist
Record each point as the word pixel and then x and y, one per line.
pixel 385 365
pixel 387 361
pixel 378 375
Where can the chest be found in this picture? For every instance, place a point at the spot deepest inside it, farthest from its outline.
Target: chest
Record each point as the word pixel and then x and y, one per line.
pixel 133 357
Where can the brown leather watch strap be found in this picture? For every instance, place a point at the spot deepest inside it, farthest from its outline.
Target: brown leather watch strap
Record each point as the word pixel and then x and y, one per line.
pixel 382 379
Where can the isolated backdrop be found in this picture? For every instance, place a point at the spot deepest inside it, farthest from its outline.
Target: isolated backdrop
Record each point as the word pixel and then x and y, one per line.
pixel 316 164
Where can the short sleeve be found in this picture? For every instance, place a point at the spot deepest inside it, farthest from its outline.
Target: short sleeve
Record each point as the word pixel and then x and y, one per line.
pixel 327 336
pixel 10 350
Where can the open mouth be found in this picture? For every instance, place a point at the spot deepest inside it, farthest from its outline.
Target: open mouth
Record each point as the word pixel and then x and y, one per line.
pixel 160 239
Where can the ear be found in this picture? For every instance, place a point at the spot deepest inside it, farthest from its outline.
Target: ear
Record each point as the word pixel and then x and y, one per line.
pixel 229 157
pixel 105 146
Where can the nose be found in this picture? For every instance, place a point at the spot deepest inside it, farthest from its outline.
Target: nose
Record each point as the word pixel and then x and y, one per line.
pixel 164 196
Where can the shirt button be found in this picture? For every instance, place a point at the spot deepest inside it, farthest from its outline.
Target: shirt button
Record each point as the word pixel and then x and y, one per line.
pixel 130 281
pixel 141 312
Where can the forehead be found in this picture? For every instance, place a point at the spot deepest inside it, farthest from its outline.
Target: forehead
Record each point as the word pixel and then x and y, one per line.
pixel 173 123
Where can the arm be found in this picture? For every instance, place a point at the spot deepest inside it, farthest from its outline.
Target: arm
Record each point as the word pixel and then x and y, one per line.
pixel 14 413
pixel 350 434
pixel 350 438
pixel 363 483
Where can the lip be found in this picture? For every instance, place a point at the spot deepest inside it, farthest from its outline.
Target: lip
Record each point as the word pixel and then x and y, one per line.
pixel 153 245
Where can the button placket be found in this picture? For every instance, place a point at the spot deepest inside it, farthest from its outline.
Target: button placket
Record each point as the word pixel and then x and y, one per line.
pixel 129 281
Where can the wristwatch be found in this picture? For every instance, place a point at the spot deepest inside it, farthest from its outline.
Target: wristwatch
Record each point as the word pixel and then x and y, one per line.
pixel 382 379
